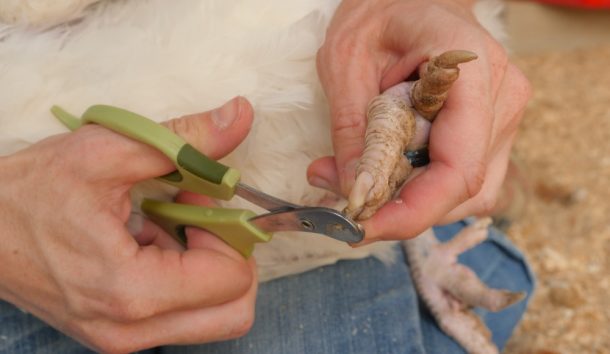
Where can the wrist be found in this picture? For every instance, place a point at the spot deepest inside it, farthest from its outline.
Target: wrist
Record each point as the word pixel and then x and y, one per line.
pixel 4 225
pixel 8 222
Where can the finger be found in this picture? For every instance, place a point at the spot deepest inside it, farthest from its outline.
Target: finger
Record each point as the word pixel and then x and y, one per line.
pixel 197 277
pixel 200 325
pixel 214 133
pixel 322 173
pixel 199 238
pixel 202 239
pixel 226 321
pixel 142 282
pixel 146 233
pixel 195 199
pixel 510 104
pixel 509 107
pixel 208 273
pixel 485 200
pixel 423 201
pixel 350 81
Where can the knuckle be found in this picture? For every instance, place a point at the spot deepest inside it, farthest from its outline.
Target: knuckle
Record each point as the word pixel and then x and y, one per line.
pixel 180 125
pixel 77 148
pixel 475 179
pixel 332 58
pixel 339 50
pixel 88 149
pixel 519 93
pixel 79 307
pixel 124 307
pixel 487 203
pixel 521 86
pixel 192 128
pixel 334 43
pixel 348 122
pixel 344 46
pixel 321 58
pixel 82 303
pixel 184 126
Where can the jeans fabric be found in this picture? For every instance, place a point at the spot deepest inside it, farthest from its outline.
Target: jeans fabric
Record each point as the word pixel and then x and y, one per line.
pixel 357 306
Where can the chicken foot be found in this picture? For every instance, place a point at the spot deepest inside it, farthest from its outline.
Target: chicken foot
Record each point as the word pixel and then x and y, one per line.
pixel 450 289
pixel 400 120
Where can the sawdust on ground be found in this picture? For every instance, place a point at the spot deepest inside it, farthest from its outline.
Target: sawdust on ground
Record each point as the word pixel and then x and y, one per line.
pixel 563 150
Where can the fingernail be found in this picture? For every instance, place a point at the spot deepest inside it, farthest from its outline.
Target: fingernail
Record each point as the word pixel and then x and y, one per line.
pixel 319 182
pixel 224 116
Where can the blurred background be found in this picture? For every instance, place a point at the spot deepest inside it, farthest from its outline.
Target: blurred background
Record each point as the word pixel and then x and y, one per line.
pixel 560 182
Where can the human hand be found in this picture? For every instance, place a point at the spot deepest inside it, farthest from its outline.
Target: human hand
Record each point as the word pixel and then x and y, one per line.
pixel 67 257
pixel 373 45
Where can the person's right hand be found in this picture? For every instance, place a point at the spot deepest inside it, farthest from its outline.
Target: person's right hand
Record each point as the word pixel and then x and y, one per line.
pixel 67 257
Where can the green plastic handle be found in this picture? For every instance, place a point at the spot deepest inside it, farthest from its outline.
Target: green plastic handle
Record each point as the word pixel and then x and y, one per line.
pixel 231 225
pixel 195 172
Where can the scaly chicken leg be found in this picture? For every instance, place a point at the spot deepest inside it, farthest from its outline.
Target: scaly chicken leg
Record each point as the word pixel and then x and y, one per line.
pixel 400 120
pixel 450 289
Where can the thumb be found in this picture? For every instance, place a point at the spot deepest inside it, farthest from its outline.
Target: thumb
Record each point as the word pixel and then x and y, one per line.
pixel 215 133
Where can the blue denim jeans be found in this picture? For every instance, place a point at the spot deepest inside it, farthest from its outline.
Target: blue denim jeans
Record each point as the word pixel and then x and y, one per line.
pixel 358 306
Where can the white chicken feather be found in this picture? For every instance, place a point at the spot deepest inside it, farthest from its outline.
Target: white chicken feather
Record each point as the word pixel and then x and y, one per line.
pixel 165 59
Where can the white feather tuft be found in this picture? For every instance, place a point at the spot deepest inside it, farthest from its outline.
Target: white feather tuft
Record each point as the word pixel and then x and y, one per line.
pixel 164 59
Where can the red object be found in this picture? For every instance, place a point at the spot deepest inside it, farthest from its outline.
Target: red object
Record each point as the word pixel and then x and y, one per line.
pixel 586 4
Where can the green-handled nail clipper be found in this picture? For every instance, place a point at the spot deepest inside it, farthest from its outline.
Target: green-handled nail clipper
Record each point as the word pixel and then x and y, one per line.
pixel 195 172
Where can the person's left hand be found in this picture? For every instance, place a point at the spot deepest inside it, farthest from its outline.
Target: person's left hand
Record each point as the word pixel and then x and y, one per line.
pixel 373 45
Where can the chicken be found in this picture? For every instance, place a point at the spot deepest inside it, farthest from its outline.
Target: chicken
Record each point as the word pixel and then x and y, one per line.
pixel 280 72
pixel 399 120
